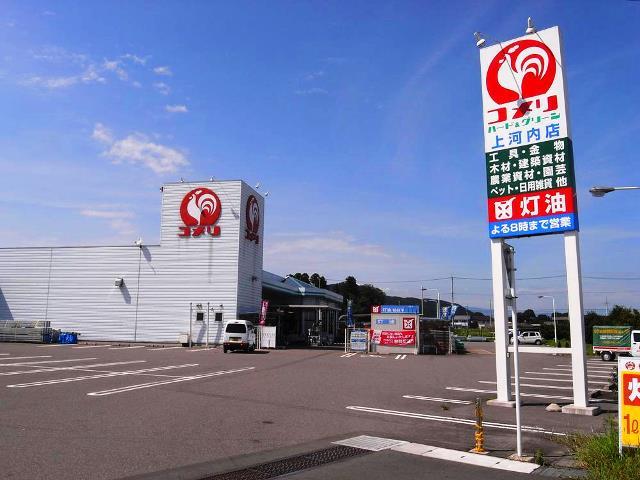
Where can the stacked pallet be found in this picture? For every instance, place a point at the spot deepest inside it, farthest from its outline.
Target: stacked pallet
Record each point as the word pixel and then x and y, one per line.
pixel 30 332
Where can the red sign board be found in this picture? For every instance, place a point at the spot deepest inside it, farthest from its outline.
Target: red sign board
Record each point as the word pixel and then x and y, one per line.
pixel 395 338
pixel 531 205
pixel 631 384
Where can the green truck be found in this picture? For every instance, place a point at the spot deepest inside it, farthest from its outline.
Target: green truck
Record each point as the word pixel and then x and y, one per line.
pixel 609 341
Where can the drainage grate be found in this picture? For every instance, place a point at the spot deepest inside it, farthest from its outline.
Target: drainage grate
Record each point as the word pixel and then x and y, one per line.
pixel 290 465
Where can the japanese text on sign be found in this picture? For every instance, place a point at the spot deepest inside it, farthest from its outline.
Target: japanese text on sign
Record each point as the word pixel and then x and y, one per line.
pixel 629 401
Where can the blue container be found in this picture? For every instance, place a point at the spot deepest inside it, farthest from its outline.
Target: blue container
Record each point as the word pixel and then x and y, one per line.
pixel 68 337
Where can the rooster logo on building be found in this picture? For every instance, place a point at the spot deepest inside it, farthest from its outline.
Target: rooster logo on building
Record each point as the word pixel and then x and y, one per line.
pixel 252 214
pixel 200 210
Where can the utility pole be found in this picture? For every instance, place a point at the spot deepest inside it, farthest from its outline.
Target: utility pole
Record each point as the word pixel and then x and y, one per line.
pixel 606 303
pixel 451 289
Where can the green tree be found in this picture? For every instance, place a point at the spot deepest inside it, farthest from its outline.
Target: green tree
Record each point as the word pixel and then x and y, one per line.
pixel 528 316
pixel 368 295
pixel 363 296
pixel 318 280
pixel 303 277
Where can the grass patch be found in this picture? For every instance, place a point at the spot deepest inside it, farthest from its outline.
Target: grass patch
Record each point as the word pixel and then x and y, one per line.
pixel 598 453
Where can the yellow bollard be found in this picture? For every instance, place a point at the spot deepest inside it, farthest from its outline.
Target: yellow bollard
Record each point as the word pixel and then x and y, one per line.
pixel 479 435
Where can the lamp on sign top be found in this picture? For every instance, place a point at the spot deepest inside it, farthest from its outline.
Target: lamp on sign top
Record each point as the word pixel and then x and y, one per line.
pixel 530 27
pixel 480 40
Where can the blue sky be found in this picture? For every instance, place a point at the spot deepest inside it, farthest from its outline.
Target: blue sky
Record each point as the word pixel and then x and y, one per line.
pixel 362 120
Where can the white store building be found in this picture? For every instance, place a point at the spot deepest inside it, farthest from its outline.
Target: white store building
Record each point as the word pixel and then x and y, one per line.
pixel 210 252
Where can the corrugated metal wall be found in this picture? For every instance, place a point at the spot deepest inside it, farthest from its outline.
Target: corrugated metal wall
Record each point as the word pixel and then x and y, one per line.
pixel 74 287
pixel 250 264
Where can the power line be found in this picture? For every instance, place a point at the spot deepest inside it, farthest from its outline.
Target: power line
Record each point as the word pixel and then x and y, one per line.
pixel 486 279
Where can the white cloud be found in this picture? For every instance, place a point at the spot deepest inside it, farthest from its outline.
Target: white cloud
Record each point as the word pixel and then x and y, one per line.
pixel 334 244
pixel 162 88
pixel 119 221
pixel 51 82
pixel 49 13
pixel 55 54
pixel 102 134
pixel 176 108
pixel 90 71
pixel 163 70
pixel 135 58
pixel 312 91
pixel 115 67
pixel 109 214
pixel 314 75
pixel 89 75
pixel 137 148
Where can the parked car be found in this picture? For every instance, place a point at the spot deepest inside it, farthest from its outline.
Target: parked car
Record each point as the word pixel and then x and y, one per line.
pixel 531 338
pixel 239 335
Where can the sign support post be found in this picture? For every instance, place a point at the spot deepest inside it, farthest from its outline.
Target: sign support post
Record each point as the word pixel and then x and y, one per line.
pixel 503 369
pixel 576 319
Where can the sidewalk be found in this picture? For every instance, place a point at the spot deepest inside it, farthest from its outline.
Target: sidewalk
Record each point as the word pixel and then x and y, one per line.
pixel 364 457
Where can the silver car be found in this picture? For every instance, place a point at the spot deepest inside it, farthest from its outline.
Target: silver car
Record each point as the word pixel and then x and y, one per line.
pixel 531 338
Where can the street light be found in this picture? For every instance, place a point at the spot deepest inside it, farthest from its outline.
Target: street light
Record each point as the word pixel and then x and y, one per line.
pixel 555 327
pixel 422 290
pixel 602 191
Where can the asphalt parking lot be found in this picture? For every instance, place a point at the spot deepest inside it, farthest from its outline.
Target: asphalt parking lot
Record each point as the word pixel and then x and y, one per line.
pixel 106 412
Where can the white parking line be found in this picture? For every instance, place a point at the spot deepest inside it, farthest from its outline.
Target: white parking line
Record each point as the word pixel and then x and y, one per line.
pixel 567 374
pixel 436 399
pixel 552 379
pixel 5 354
pixel 589 365
pixel 569 370
pixel 102 375
pixel 478 390
pixel 199 349
pixel 24 358
pixel 458 420
pixel 75 367
pixel 161 348
pixel 556 387
pixel 400 357
pixel 55 345
pixel 165 382
pixel 92 346
pixel 20 364
pixel 127 348
pixel 348 355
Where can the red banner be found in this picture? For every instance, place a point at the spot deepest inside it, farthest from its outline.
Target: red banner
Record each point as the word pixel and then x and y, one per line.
pixel 532 205
pixel 263 311
pixel 394 338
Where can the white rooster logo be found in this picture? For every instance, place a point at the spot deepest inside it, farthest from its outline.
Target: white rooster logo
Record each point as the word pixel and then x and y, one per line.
pixel 200 209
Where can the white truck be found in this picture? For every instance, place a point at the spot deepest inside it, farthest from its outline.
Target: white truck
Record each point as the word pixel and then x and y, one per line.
pixel 612 340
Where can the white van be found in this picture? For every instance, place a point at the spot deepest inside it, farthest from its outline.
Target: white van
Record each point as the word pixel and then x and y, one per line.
pixel 239 335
